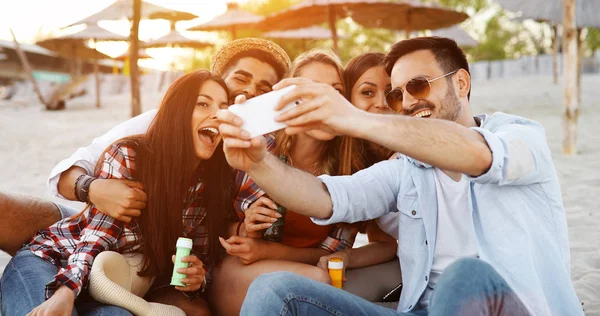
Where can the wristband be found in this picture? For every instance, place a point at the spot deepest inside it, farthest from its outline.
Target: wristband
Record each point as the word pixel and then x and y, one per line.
pixel 82 188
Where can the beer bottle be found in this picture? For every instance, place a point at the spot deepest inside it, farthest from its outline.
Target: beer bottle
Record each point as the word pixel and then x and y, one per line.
pixel 275 232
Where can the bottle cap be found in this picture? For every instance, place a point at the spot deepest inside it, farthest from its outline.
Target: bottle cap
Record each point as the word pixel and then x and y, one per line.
pixel 183 242
pixel 336 263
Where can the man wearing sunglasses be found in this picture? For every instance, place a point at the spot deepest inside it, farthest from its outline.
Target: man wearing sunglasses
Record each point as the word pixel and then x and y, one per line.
pixel 481 224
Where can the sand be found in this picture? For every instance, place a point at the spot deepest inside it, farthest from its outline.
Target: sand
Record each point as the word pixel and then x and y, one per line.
pixel 32 141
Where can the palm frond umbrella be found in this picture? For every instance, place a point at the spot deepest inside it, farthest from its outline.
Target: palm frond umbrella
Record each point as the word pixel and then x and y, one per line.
pixel 303 34
pixel 462 38
pixel 123 9
pixel 551 11
pixel 142 54
pixel 398 15
pixel 73 46
pixel 233 20
pixel 176 39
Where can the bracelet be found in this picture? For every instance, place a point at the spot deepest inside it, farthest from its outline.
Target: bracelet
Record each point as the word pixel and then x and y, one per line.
pixel 82 188
pixel 237 230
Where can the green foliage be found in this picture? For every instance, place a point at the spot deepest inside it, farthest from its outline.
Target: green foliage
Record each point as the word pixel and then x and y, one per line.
pixel 592 40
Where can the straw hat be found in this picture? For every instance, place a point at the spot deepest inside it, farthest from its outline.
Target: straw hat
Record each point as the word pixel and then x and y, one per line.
pixel 114 281
pixel 236 47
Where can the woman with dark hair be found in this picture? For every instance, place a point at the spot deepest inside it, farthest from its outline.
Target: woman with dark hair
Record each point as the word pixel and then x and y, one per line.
pixel 181 165
pixel 368 83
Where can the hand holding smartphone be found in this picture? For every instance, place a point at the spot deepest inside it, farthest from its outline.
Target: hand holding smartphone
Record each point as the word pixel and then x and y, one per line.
pixel 258 113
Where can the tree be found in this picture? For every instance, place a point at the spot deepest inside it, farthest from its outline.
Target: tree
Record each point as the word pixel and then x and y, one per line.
pixel 136 106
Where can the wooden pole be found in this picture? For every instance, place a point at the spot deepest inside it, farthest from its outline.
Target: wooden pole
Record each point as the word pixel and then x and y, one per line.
pixel 97 77
pixel 571 110
pixel 333 29
pixel 555 39
pixel 28 71
pixel 579 62
pixel 136 106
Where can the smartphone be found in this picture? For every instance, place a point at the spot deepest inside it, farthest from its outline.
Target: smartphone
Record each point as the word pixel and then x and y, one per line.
pixel 258 114
pixel 393 295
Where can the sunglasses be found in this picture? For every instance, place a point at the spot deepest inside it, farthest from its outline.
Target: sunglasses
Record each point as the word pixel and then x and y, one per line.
pixel 419 87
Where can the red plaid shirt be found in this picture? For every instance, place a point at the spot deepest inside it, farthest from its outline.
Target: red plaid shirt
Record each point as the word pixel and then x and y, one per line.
pixel 73 243
pixel 249 192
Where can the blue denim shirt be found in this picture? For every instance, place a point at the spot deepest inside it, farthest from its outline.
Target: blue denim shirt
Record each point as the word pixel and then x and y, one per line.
pixel 518 215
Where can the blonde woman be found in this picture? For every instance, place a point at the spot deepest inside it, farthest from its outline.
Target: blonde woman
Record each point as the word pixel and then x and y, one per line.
pixel 304 242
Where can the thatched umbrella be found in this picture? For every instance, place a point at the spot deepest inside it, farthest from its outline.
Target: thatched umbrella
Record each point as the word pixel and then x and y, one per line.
pixel 142 54
pixel 123 9
pixel 552 11
pixel 175 39
pixel 399 15
pixel 73 46
pixel 233 20
pixel 303 34
pixel 462 38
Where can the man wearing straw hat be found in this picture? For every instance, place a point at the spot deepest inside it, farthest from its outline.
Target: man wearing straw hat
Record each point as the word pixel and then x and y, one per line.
pixel 479 215
pixel 249 67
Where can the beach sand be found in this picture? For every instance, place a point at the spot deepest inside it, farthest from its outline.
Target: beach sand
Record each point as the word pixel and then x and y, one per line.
pixel 32 141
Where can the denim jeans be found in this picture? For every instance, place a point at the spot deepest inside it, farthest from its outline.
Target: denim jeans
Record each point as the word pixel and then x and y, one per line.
pixel 22 288
pixel 467 287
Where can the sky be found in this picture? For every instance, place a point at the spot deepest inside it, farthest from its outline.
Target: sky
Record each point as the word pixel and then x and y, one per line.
pixel 30 19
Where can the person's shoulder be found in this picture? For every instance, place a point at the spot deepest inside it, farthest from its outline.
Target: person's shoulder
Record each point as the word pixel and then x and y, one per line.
pixel 500 119
pixel 125 148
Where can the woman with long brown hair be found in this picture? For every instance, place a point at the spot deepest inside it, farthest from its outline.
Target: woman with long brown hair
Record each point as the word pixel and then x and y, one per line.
pixel 303 241
pixel 181 166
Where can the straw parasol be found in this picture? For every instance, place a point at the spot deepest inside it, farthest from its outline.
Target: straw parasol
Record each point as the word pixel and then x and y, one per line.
pixel 551 11
pixel 233 20
pixel 142 54
pixel 307 33
pixel 73 46
pixel 123 9
pixel 175 39
pixel 462 38
pixel 586 11
pixel 400 15
pixel 303 34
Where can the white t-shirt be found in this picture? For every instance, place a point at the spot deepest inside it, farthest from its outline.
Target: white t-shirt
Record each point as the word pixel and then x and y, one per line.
pixel 455 235
pixel 86 157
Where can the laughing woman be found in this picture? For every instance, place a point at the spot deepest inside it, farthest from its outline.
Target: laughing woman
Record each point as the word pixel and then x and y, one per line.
pixel 188 182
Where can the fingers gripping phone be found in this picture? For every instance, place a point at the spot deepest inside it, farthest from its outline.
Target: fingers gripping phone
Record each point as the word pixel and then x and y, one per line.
pixel 258 114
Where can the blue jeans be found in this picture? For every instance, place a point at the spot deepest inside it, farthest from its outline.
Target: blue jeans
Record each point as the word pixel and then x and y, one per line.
pixel 467 287
pixel 22 288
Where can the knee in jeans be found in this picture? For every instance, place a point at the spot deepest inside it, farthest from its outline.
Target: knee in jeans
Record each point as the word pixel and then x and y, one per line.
pixel 321 276
pixel 469 266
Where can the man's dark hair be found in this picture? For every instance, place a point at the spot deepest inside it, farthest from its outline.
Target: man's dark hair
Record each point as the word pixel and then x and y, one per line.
pixel 447 53
pixel 262 56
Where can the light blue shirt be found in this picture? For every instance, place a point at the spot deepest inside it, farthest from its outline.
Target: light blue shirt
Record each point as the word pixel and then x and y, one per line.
pixel 518 215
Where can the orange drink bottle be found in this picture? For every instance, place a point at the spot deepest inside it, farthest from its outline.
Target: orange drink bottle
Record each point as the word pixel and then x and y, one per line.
pixel 336 266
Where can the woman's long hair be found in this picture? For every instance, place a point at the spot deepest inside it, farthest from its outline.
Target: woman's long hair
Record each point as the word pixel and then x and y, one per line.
pixel 167 167
pixel 356 67
pixel 340 156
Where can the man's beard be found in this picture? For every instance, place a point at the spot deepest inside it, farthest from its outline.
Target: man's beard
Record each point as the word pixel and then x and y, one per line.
pixel 450 107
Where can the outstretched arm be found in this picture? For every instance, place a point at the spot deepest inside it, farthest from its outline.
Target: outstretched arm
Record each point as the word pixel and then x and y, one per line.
pixel 444 144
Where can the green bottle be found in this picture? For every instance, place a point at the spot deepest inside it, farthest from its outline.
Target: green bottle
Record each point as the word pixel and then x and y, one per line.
pixel 275 232
pixel 184 248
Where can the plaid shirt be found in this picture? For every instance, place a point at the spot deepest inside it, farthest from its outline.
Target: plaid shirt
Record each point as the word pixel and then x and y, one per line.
pixel 73 243
pixel 249 192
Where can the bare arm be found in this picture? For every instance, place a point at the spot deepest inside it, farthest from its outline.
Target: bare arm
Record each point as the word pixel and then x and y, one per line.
pixel 446 145
pixel 120 199
pixel 310 256
pixel 310 194
pixel 66 183
pixel 381 248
